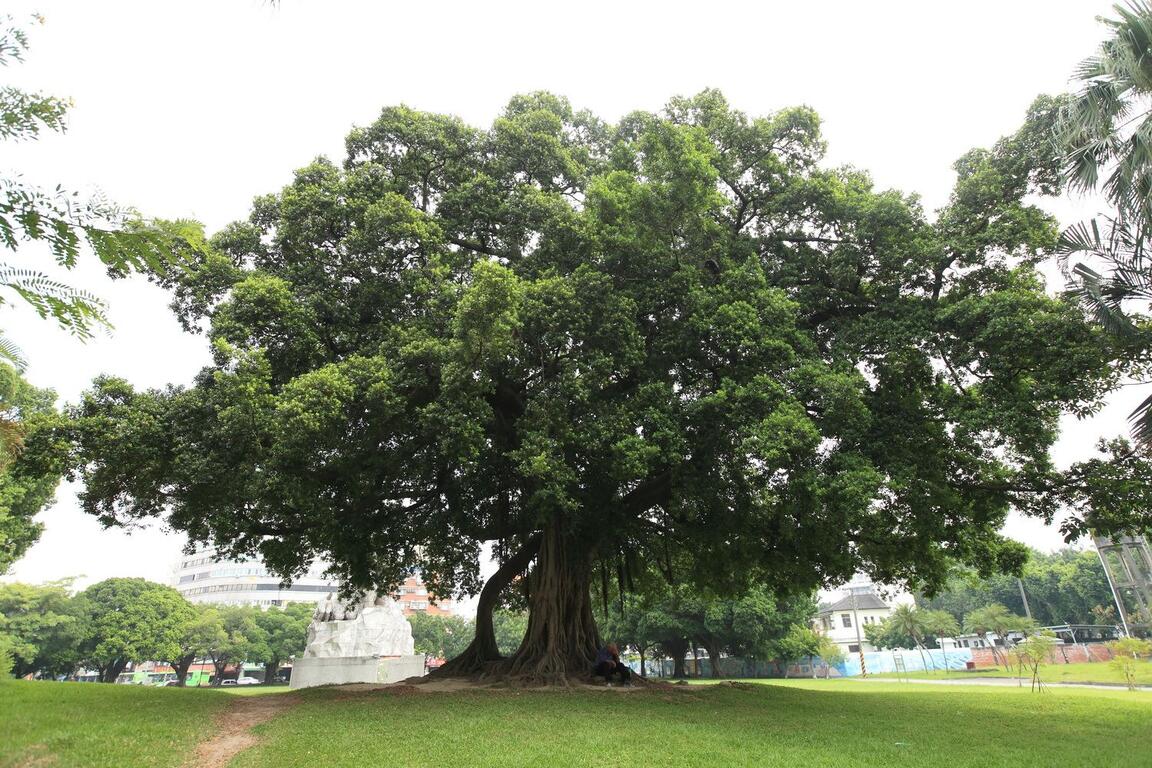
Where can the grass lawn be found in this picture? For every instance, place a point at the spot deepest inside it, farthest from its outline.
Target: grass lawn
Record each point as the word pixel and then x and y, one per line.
pixel 61 725
pixel 1098 672
pixel 797 723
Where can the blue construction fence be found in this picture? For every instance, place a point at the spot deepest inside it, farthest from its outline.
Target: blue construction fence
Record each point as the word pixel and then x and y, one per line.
pixel 875 662
pixel 905 661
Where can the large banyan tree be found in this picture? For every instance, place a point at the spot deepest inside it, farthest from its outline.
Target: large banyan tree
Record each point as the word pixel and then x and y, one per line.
pixel 678 341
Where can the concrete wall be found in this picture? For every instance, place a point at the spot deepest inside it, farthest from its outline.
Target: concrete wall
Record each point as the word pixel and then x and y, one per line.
pixel 1064 653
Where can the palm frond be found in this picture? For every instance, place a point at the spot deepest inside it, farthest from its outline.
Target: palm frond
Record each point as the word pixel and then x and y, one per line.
pixel 1141 420
pixel 12 353
pixel 1127 275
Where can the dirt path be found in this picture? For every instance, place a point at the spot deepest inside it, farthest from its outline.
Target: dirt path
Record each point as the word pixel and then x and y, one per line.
pixel 232 732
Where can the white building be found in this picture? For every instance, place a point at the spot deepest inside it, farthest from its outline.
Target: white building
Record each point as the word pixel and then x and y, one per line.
pixel 202 578
pixel 844 620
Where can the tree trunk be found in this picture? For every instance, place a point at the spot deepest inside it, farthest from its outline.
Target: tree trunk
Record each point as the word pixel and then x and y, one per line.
pixel 643 672
pixel 483 649
pixel 219 667
pixel 113 670
pixel 561 639
pixel 714 658
pixel 677 649
pixel 270 670
pixel 181 666
pixel 923 662
pixel 696 661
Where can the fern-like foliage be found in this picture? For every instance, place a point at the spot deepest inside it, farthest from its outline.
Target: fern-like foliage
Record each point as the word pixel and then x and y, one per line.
pixel 68 224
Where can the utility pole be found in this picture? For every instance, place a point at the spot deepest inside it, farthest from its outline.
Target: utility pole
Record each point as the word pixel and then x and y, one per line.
pixel 1024 597
pixel 859 641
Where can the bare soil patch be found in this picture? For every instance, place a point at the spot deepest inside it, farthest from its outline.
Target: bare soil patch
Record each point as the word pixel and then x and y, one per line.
pixel 232 729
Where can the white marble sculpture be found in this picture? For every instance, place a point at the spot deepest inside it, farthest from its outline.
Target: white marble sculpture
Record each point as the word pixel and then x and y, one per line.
pixel 370 626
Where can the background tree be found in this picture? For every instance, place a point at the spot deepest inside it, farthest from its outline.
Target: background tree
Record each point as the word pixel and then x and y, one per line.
pixel 747 625
pixel 440 637
pixel 203 631
pixel 241 638
pixel 128 620
pixel 939 625
pixel 1126 655
pixel 912 622
pixel 667 623
pixel 42 627
pixel 830 653
pixel 677 339
pixel 286 635
pixel 623 623
pixel 509 628
pixel 1033 653
pixel 25 489
pixel 888 635
pixel 1063 587
pixel 800 642
pixel 998 620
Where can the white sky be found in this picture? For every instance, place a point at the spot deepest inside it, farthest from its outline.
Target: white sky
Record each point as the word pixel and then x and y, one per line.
pixel 190 109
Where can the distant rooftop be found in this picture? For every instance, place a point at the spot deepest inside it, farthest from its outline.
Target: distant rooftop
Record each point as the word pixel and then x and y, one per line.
pixel 864 602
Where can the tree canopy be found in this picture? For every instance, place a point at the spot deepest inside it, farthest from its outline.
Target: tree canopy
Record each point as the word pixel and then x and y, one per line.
pixel 42 627
pixel 25 488
pixel 678 341
pixel 1064 587
pixel 130 619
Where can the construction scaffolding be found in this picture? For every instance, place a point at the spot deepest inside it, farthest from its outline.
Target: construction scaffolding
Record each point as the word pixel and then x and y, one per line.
pixel 1127 562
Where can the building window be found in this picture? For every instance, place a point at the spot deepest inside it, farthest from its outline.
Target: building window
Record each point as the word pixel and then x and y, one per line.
pixel 846 618
pixel 853 648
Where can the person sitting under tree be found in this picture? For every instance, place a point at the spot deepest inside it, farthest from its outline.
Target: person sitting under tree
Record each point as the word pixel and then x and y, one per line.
pixel 608 664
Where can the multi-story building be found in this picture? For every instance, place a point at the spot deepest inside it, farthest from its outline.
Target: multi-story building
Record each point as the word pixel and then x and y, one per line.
pixel 843 616
pixel 843 621
pixel 202 578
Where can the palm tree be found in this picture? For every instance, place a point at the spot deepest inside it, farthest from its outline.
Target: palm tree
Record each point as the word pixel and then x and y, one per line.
pixel 1107 125
pixel 997 619
pixel 941 624
pixel 1106 129
pixel 909 621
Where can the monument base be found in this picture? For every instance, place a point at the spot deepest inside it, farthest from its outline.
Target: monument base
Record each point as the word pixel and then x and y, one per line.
pixel 309 672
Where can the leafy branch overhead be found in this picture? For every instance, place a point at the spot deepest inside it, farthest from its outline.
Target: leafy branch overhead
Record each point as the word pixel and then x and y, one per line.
pixel 64 223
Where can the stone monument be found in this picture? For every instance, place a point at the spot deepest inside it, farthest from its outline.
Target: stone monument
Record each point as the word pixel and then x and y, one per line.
pixel 366 641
